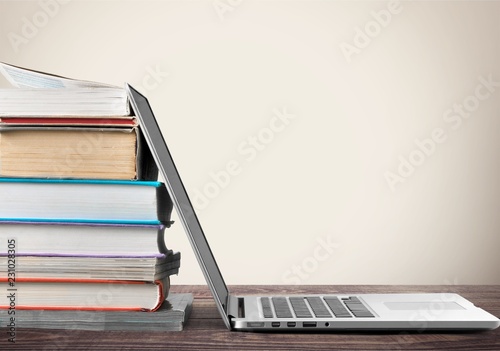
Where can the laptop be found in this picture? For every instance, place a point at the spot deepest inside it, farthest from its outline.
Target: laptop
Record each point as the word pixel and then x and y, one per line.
pixel 319 312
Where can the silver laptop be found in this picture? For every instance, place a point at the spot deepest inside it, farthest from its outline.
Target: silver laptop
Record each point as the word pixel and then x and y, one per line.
pixel 306 312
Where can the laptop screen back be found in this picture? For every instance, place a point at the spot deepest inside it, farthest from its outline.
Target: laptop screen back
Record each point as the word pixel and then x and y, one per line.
pixel 183 206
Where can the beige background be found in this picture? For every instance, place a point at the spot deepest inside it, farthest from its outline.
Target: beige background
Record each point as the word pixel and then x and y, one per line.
pixel 220 78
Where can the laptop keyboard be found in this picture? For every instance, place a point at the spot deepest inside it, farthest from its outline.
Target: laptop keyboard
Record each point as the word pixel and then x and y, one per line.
pixel 314 306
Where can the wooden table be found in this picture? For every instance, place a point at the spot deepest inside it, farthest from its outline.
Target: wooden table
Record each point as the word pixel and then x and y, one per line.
pixel 206 331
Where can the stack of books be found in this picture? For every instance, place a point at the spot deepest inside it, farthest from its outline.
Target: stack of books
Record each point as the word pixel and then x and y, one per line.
pixel 82 215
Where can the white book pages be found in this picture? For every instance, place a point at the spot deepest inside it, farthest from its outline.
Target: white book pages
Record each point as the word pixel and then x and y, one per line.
pixel 38 94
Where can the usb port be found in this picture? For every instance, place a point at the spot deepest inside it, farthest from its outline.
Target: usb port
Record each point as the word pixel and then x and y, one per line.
pixel 309 324
pixel 275 324
pixel 291 324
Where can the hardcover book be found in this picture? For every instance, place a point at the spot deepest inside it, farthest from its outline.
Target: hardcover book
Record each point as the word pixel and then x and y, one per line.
pixel 79 151
pixel 94 267
pixel 85 294
pixel 69 238
pixel 45 200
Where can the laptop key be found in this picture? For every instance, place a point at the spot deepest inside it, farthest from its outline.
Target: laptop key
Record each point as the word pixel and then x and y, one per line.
pixel 281 307
pixel 299 307
pixel 318 307
pixel 266 307
pixel 337 307
pixel 357 308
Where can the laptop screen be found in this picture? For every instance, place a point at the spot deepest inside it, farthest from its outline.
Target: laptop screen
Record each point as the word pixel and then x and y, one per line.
pixel 182 203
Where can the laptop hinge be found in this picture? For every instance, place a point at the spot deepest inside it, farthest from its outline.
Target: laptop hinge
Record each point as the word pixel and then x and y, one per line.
pixel 236 307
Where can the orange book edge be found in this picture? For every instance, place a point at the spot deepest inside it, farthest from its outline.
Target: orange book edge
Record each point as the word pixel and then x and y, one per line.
pixel 159 283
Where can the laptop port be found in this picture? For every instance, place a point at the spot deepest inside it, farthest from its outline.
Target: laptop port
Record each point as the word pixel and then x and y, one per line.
pixel 291 324
pixel 275 324
pixel 309 324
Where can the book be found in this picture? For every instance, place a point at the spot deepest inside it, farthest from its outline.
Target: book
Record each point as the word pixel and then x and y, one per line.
pixel 62 121
pixel 171 316
pixel 62 200
pixel 94 267
pixel 84 239
pixel 84 294
pixel 73 152
pixel 64 102
pixel 42 94
pixel 21 77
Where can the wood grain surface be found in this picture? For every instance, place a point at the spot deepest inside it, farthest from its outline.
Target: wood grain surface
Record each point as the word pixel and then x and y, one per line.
pixel 206 331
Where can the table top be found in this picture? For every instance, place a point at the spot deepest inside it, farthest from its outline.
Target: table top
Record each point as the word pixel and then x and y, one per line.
pixel 206 331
